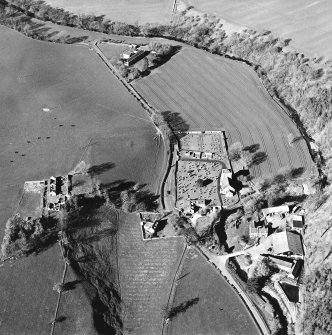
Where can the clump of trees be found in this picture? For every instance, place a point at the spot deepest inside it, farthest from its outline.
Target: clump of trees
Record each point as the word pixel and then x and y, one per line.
pixel 261 275
pixel 246 156
pixel 23 237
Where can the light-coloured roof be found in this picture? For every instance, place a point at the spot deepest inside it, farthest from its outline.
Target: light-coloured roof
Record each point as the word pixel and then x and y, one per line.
pixel 287 241
pixel 272 210
pixel 288 263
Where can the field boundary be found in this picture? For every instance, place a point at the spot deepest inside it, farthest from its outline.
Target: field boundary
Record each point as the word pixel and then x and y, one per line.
pixel 173 287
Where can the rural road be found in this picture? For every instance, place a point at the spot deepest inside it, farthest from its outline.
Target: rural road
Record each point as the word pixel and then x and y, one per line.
pixel 221 263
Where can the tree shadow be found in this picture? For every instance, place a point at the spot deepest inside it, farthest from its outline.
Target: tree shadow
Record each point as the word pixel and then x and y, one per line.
pixel 258 158
pixel 138 197
pixel 77 39
pixel 297 172
pixel 207 182
pixel 97 235
pixel 176 123
pixel 182 308
pixel 71 284
pixel 252 148
pixel 100 169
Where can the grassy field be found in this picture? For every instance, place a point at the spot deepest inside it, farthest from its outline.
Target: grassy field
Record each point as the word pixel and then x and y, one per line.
pixel 306 22
pixel 147 269
pixel 141 11
pixel 27 298
pixel 210 92
pixel 59 105
pixel 88 108
pixel 218 309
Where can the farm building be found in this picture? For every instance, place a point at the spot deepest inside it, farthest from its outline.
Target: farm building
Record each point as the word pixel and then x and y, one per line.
pixel 283 263
pixel 257 231
pixel 297 269
pixel 226 188
pixel 57 192
pixel 297 222
pixel 135 57
pixel 272 211
pixel 291 291
pixel 129 52
pixel 287 243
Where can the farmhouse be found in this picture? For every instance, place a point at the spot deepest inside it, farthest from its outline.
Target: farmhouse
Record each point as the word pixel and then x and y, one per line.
pixel 57 192
pixel 257 231
pixel 297 269
pixel 226 188
pixel 135 57
pixel 297 222
pixel 287 243
pixel 280 211
pixel 283 263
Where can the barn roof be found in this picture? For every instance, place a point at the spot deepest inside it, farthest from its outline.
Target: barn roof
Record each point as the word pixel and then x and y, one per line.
pixel 282 261
pixel 297 221
pixel 286 241
pixel 273 210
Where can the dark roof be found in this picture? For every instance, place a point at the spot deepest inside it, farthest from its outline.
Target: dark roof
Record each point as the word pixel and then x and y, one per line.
pixel 297 224
pixel 291 291
pixel 297 268
pixel 135 57
pixel 286 241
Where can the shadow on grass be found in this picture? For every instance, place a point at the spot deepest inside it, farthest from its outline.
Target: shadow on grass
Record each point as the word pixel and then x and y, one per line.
pixel 176 123
pixel 252 148
pixel 96 170
pixel 137 197
pixel 182 308
pixel 258 158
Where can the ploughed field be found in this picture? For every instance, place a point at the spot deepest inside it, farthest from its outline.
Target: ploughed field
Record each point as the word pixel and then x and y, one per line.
pixel 211 305
pixel 204 91
pixel 129 11
pixel 307 22
pixel 146 272
pixel 60 104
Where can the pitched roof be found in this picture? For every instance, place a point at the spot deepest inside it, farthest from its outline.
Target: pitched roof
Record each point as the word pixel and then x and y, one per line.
pixel 297 221
pixel 278 209
pixel 286 241
pixel 282 261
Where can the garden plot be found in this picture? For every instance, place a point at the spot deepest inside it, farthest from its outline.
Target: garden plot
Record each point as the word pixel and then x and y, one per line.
pixel 203 145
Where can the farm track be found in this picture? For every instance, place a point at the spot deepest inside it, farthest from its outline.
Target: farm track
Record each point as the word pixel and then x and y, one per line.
pixel 213 92
pixel 147 269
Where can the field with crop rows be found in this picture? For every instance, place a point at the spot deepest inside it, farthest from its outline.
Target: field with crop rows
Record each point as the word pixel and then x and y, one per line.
pixel 141 11
pixel 307 22
pixel 210 92
pixel 215 308
pixel 147 269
